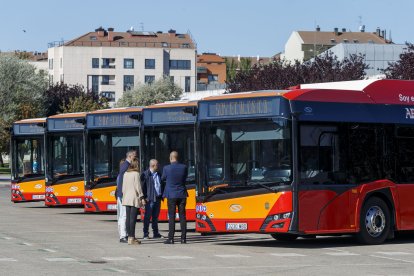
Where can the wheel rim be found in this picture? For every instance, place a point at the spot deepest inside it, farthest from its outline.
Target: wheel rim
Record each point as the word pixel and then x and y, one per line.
pixel 375 221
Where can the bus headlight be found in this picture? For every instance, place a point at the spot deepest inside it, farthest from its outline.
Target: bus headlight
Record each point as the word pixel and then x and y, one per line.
pixel 279 216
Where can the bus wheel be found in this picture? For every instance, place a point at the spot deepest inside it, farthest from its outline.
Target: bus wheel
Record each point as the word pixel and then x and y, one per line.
pixel 284 237
pixel 374 221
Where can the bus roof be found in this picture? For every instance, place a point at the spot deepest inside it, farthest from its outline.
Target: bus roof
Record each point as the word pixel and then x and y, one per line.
pixel 250 94
pixel 172 104
pixel 68 115
pixel 31 121
pixel 118 110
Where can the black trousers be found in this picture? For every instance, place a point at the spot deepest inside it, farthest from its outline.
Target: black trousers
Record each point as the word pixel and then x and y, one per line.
pixel 131 220
pixel 172 204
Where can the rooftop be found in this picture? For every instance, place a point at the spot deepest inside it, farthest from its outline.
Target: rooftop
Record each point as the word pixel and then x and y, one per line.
pixel 109 38
pixel 335 37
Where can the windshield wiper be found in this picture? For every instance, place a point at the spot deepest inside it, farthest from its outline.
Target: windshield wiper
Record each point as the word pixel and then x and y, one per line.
pixel 214 192
pixel 263 185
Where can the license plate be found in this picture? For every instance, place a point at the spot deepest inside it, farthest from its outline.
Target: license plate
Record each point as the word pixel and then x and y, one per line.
pixel 236 226
pixel 38 197
pixel 111 206
pixel 74 200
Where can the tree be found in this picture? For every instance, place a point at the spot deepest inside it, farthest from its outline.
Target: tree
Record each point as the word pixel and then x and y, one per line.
pixel 62 97
pixel 402 69
pixel 84 103
pixel 231 69
pixel 147 94
pixel 282 74
pixel 21 94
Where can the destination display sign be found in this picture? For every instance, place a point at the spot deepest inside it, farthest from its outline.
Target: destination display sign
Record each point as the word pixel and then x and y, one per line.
pixel 112 120
pixel 22 129
pixel 57 124
pixel 236 108
pixel 174 115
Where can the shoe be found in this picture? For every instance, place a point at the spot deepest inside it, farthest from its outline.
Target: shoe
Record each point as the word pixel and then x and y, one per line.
pixel 123 240
pixel 183 241
pixel 133 241
pixel 168 241
pixel 157 236
pixel 146 238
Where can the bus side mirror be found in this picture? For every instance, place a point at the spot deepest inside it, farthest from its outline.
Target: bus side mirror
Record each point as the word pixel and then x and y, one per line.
pixel 81 121
pixel 191 110
pixel 137 117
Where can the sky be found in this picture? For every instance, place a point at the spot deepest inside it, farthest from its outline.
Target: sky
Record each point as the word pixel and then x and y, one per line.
pixel 225 27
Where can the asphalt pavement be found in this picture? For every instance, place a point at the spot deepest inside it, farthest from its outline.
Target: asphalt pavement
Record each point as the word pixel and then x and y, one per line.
pixel 37 240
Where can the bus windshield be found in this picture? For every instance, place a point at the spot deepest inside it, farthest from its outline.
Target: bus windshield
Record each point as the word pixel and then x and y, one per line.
pixel 245 153
pixel 108 149
pixel 67 156
pixel 29 158
pixel 159 143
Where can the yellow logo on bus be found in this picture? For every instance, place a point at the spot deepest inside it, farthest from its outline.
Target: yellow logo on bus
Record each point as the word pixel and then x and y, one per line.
pixel 235 208
pixel 73 189
pixel 38 186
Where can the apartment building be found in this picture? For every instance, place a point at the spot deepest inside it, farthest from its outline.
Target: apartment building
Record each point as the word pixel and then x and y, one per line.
pixel 109 62
pixel 304 45
pixel 211 72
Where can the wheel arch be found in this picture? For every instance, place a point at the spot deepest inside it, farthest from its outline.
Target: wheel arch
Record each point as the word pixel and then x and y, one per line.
pixel 384 194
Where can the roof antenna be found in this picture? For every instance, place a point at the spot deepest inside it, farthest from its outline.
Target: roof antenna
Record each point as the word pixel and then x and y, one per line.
pixel 142 26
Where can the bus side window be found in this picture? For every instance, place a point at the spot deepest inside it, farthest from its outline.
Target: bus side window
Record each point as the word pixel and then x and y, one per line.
pixel 321 155
pixel 405 150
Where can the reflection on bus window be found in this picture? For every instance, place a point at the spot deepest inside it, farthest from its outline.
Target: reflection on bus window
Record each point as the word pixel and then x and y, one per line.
pixel 29 157
pixel 247 153
pixel 159 144
pixel 108 149
pixel 67 155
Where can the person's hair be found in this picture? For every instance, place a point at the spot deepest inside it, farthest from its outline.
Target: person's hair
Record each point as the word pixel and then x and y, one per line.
pixel 121 162
pixel 174 155
pixel 130 152
pixel 134 166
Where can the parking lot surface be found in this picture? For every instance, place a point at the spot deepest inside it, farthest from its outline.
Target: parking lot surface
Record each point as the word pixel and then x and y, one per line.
pixel 37 240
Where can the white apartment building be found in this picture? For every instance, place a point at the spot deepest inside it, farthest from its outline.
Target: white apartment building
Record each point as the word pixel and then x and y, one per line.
pixel 305 45
pixel 109 62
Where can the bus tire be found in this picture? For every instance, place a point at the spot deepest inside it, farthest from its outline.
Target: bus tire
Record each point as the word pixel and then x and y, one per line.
pixel 284 237
pixel 375 222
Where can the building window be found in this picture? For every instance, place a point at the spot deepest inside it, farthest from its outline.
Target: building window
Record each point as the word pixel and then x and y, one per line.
pixel 95 62
pixel 105 80
pixel 180 64
pixel 149 79
pixel 187 87
pixel 212 78
pixel 61 62
pixel 172 79
pixel 185 45
pixel 50 80
pixel 109 95
pixel 61 78
pixel 149 63
pixel 164 44
pixel 95 84
pixel 108 63
pixel 128 63
pixel 51 63
pixel 128 82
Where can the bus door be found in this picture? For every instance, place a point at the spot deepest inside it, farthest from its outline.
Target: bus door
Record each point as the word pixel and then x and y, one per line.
pixel 324 199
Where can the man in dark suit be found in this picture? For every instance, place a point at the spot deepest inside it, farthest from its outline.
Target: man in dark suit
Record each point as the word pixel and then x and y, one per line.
pixel 152 190
pixel 175 191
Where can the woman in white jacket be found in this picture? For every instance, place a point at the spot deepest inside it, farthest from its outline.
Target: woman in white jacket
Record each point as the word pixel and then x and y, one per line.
pixel 132 199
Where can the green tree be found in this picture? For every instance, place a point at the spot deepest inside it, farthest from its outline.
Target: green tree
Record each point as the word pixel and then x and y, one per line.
pixel 231 69
pixel 245 65
pixel 21 94
pixel 84 103
pixel 59 96
pixel 147 94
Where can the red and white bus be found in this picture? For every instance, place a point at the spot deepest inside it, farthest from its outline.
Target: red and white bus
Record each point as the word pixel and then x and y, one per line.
pixel 314 160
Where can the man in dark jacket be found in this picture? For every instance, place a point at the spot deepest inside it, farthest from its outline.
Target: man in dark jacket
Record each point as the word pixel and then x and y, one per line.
pixel 175 191
pixel 152 190
pixel 121 212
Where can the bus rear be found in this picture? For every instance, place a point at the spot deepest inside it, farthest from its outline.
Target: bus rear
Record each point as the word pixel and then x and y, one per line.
pixel 27 160
pixel 170 127
pixel 110 135
pixel 65 160
pixel 244 168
